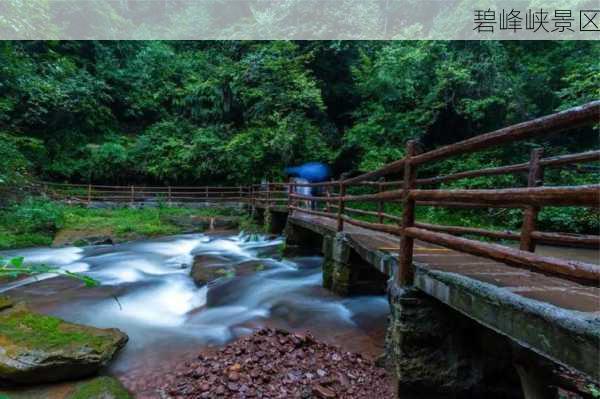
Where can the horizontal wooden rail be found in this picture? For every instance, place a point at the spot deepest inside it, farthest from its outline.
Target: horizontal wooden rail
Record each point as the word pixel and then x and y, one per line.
pixel 581 270
pixel 369 213
pixel 469 205
pixel 562 121
pixel 585 195
pixel 589 156
pixel 459 230
pixel 312 197
pixel 313 212
pixel 385 228
pixel 555 123
pixel 580 240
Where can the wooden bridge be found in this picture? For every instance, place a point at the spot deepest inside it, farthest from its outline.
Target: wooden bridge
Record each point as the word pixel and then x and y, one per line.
pixel 548 304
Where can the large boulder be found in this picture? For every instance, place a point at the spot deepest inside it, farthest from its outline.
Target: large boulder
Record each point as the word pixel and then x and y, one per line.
pixel 36 348
pixel 207 268
pixel 94 388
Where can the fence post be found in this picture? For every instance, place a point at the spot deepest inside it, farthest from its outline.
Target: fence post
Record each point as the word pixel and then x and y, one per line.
pixel 290 193
pixel 89 194
pixel 328 195
pixel 268 196
pixel 169 194
pixel 340 219
pixel 206 193
pixel 405 273
pixel 530 213
pixel 132 195
pixel 380 205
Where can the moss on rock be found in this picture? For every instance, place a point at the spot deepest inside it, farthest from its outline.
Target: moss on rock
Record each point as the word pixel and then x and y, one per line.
pixel 5 302
pixel 39 348
pixel 37 331
pixel 100 388
pixel 94 388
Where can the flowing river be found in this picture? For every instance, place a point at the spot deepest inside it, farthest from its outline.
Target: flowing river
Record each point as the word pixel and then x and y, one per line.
pixel 146 291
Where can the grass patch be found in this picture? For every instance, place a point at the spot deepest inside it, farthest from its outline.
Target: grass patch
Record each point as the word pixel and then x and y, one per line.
pixel 130 222
pixel 12 239
pixel 31 330
pixel 35 222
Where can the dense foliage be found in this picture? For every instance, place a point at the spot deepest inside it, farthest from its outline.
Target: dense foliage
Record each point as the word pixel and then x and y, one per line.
pixel 200 112
pixel 237 112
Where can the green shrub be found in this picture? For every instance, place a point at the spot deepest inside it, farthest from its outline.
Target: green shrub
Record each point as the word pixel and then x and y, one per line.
pixel 35 215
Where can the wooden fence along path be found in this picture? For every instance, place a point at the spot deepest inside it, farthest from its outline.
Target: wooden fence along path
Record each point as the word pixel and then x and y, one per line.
pixel 88 193
pixel 413 191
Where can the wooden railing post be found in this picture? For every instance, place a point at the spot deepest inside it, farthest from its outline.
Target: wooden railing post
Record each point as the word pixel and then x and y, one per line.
pixel 290 193
pixel 328 195
pixel 380 205
pixel 89 194
pixel 132 195
pixel 340 218
pixel 530 213
pixel 405 273
pixel 268 196
pixel 170 200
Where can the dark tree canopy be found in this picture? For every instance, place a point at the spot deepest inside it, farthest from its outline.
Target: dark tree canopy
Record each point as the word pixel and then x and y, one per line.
pixel 218 112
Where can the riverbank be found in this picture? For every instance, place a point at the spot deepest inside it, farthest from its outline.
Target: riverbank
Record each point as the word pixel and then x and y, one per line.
pixel 275 363
pixel 37 222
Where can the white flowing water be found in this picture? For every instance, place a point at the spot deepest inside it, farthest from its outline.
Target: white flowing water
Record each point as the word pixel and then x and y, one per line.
pixel 146 291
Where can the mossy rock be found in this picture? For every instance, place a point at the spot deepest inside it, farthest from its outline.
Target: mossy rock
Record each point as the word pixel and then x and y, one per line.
pixel 36 348
pixel 100 388
pixel 94 388
pixel 5 302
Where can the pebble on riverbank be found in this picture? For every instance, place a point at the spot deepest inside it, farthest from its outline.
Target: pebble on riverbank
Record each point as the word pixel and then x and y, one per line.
pixel 277 364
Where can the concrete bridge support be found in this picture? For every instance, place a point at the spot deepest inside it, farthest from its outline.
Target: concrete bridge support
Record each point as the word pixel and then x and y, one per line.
pixel 434 350
pixel 274 220
pixel 345 272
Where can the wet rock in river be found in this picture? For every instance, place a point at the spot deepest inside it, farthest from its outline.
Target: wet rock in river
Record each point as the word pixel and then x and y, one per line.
pixel 207 268
pixel 277 364
pixel 36 348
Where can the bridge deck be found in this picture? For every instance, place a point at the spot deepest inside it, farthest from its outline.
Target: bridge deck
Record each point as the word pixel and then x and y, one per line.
pixel 557 291
pixel 557 318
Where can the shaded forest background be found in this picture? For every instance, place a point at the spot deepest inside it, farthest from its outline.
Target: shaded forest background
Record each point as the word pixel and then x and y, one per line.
pixel 221 112
pixel 236 112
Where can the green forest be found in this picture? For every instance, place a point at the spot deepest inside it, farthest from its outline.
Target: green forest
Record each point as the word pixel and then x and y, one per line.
pixel 237 112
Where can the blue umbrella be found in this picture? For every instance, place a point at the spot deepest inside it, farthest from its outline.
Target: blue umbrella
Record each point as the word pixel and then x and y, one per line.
pixel 314 172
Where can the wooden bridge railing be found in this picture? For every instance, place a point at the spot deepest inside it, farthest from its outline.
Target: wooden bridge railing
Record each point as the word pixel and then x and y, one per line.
pixel 87 193
pixel 530 199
